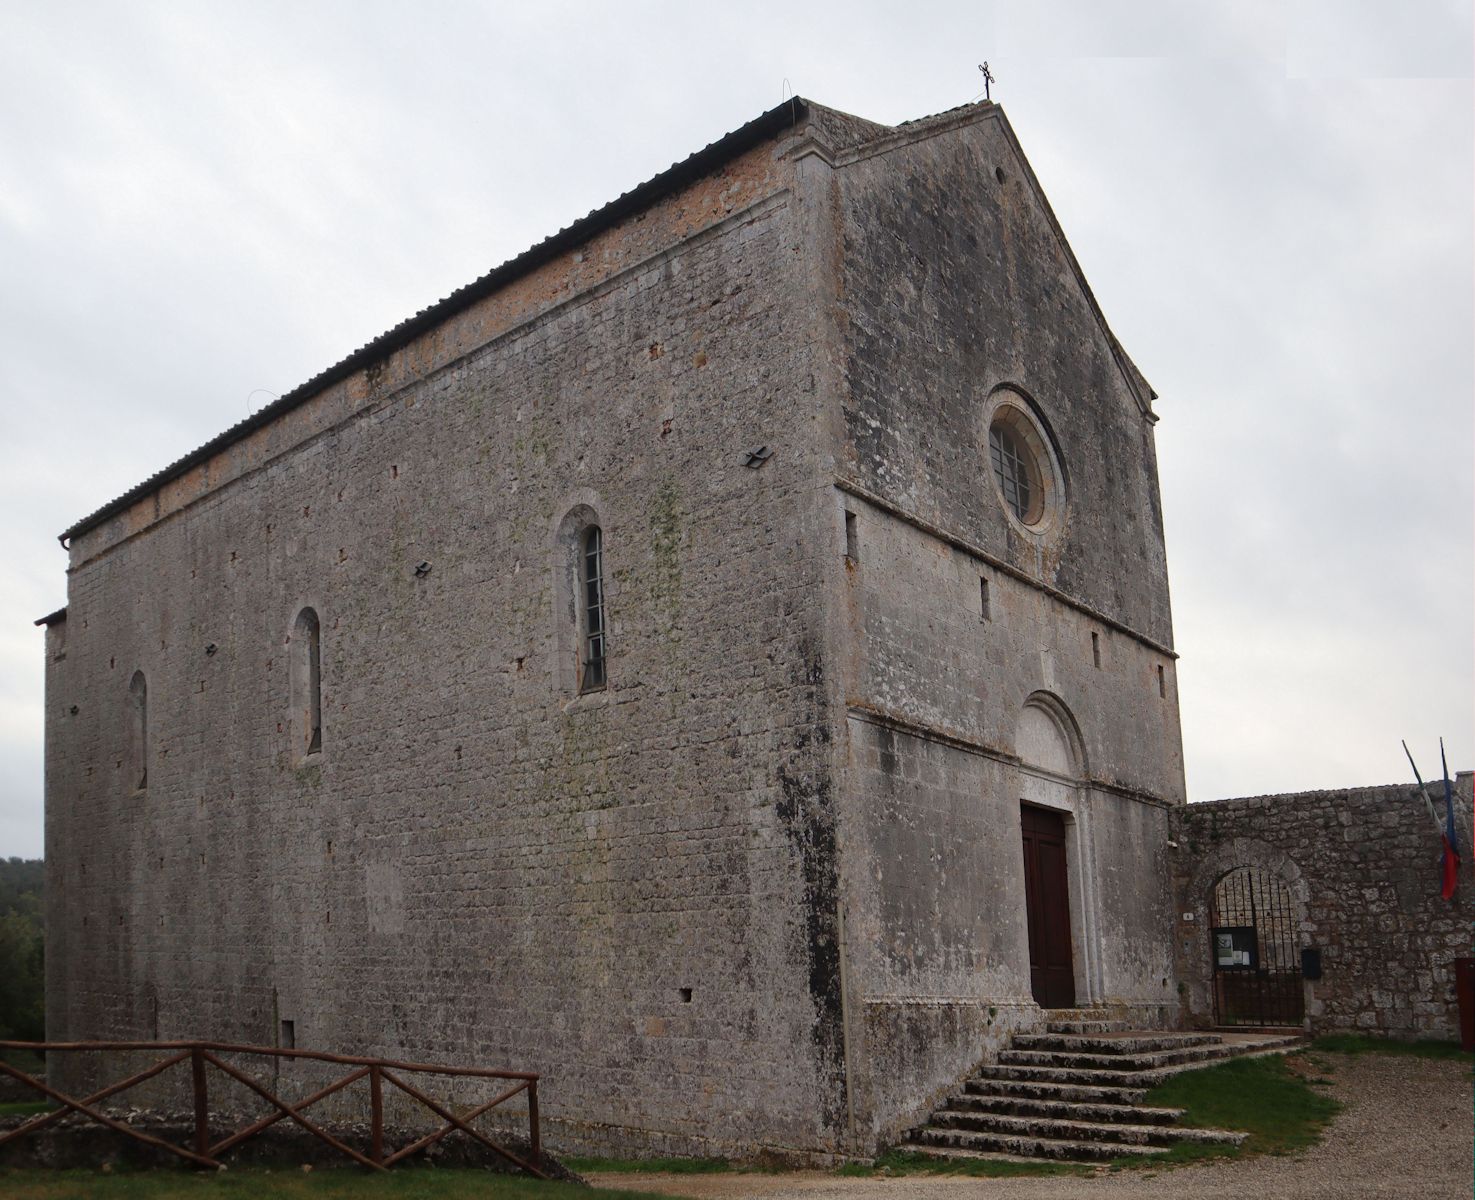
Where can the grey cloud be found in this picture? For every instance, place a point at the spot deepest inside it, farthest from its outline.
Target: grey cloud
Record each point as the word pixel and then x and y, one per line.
pixel 200 202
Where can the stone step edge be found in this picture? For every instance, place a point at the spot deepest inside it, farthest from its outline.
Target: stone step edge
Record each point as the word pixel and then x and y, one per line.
pixel 966 1102
pixel 1091 1131
pixel 1147 1060
pixel 1051 1089
pixel 1111 1051
pixel 1078 1076
pixel 1064 1150
pixel 927 1151
pixel 1107 1043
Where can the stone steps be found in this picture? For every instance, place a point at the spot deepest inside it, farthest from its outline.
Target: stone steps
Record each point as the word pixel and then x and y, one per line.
pixel 929 1137
pixel 1046 1074
pixel 1073 1093
pixel 1037 1090
pixel 1063 1129
pixel 1113 1043
pixel 958 1154
pixel 1125 1070
pixel 1027 1106
pixel 1081 1025
pixel 1147 1060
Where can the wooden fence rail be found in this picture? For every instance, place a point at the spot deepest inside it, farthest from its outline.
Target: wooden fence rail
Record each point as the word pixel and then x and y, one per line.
pixel 204 1055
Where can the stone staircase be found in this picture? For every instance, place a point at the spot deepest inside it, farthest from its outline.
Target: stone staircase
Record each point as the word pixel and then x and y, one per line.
pixel 1074 1092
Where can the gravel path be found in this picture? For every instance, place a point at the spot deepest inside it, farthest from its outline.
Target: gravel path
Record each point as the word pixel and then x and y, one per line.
pixel 1405 1131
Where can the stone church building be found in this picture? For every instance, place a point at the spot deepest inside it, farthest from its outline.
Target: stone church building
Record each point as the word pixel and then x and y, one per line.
pixel 720 659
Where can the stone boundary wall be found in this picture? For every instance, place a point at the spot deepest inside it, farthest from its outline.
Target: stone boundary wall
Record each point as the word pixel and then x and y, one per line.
pixel 1362 865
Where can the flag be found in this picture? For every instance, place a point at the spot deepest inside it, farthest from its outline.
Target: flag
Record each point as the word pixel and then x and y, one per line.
pixel 1450 864
pixel 1449 855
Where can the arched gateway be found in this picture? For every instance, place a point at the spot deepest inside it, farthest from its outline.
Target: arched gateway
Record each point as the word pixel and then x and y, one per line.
pixel 1252 937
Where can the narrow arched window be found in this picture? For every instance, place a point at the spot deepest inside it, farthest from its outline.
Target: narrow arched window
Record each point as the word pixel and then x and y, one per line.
pixel 594 648
pixel 138 731
pixel 307 682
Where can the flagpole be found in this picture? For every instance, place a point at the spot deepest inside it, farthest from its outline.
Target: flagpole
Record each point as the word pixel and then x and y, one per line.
pixel 1423 790
pixel 1449 802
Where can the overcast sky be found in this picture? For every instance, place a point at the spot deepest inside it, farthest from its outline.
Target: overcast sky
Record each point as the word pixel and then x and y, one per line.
pixel 203 205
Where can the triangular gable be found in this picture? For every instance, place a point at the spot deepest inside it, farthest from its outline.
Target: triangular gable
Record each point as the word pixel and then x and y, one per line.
pixel 970 114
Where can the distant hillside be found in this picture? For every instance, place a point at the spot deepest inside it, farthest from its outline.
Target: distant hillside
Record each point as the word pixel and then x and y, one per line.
pixel 22 940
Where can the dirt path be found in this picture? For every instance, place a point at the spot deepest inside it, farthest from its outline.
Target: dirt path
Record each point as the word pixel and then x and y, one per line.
pixel 1406 1131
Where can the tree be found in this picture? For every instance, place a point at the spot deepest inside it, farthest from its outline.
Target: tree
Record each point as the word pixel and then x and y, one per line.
pixel 22 951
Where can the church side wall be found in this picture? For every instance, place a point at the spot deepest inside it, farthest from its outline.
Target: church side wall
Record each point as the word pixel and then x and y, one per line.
pixel 953 284
pixel 1362 869
pixel 630 891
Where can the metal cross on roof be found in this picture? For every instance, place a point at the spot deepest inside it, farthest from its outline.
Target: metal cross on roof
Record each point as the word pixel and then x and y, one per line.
pixel 988 78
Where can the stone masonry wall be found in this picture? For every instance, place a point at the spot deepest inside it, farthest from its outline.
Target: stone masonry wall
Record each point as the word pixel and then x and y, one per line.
pixel 765 892
pixel 953 283
pixel 1362 865
pixel 629 891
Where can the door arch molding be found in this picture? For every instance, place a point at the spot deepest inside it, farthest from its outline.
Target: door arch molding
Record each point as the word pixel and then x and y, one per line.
pixel 1068 759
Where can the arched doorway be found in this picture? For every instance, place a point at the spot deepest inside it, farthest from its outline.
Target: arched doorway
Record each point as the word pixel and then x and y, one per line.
pixel 1052 979
pixel 1256 959
pixel 1049 765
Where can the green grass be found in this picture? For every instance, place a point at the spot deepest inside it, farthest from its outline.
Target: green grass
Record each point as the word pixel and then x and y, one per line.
pixel 414 1183
pixel 1359 1043
pixel 1262 1097
pixel 631 1166
pixel 913 1162
pixel 25 1108
pixel 28 1061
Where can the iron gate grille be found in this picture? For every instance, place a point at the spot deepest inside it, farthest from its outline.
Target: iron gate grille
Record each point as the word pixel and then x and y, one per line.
pixel 1257 970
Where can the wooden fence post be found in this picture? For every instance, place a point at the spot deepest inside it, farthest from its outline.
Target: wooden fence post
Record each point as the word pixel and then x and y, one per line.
pixel 535 1140
pixel 202 1101
pixel 376 1115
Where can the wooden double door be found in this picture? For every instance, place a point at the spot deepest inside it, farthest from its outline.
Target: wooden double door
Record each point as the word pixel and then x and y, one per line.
pixel 1047 902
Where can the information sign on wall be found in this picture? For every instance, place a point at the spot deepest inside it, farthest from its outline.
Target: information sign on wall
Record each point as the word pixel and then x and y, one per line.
pixel 1234 947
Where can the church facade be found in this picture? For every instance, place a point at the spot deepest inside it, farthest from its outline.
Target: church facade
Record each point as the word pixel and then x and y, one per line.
pixel 721 660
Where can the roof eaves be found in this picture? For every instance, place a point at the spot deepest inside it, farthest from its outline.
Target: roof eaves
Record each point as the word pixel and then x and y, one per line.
pixel 947 112
pixel 688 170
